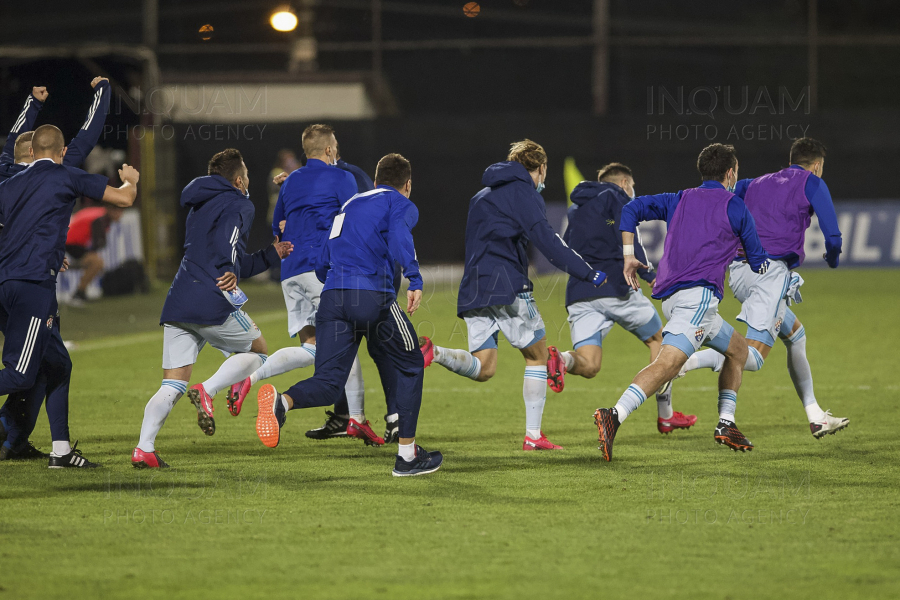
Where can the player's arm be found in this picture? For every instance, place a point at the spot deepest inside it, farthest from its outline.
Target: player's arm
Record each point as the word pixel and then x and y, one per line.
pixel 262 260
pixel 744 226
pixel 534 221
pixel 646 273
pixel 124 195
pixel 24 122
pixel 401 220
pixel 278 216
pixel 740 188
pixel 658 207
pixel 87 137
pixel 820 199
pixel 323 262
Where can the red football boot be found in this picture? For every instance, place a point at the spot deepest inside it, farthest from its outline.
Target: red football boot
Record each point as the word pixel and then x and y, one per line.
pixel 204 404
pixel 427 348
pixel 364 432
pixel 556 370
pixel 235 396
pixel 542 443
pixel 147 460
pixel 676 421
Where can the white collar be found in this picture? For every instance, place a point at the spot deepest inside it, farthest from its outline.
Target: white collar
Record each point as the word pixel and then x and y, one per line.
pixel 39 160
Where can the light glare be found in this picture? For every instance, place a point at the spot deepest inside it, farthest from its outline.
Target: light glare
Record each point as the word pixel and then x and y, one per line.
pixel 284 21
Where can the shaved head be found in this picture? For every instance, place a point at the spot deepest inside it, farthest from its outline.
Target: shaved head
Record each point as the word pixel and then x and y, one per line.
pixel 23 145
pixel 47 142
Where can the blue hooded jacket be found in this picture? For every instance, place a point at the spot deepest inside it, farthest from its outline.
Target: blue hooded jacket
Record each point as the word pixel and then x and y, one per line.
pixel 216 233
pixel 593 232
pixel 503 218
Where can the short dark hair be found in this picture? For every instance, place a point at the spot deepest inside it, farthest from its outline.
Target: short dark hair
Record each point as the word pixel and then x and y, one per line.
pixel 612 170
pixel 47 139
pixel 227 163
pixel 315 139
pixel 715 160
pixel 805 151
pixel 393 170
pixel 530 154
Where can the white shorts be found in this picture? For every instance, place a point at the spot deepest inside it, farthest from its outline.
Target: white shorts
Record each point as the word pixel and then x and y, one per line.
pixel 182 342
pixel 692 320
pixel 591 320
pixel 520 322
pixel 763 297
pixel 301 296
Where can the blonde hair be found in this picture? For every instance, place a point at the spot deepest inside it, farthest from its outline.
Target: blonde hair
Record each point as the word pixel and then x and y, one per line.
pixel 530 154
pixel 316 138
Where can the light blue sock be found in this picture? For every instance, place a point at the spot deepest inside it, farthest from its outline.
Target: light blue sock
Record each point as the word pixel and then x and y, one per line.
pixel 727 404
pixel 630 401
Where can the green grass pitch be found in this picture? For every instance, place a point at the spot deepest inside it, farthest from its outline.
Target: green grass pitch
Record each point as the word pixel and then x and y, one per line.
pixel 671 517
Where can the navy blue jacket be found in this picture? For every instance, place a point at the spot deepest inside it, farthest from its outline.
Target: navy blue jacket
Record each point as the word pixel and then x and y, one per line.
pixel 371 233
pixel 364 183
pixel 80 146
pixel 216 233
pixel 593 232
pixel 35 207
pixel 503 218
pixel 308 200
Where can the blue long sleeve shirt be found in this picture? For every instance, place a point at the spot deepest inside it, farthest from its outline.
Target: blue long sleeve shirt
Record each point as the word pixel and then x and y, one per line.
pixel 371 233
pixel 308 201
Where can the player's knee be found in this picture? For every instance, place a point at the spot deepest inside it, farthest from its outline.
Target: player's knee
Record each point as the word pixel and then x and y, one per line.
pixel 755 360
pixel 20 382
pixel 259 346
pixel 487 371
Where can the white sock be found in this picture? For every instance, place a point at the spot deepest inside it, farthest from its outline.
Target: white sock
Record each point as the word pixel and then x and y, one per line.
pixel 534 390
pixel 631 399
pixel 568 359
pixel 801 374
pixel 458 361
pixel 61 448
pixel 356 392
pixel 705 359
pixel 664 404
pixel 391 418
pixel 235 368
pixel 407 451
pixel 755 360
pixel 284 360
pixel 727 404
pixel 157 409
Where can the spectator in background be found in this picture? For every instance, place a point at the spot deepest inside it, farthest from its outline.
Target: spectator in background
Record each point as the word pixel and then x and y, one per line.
pixel 285 162
pixel 86 237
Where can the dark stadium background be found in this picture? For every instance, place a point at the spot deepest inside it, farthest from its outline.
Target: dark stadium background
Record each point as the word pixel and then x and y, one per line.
pixel 453 110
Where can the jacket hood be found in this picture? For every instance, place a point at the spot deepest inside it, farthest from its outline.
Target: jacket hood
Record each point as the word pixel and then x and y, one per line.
pixel 505 172
pixel 206 188
pixel 588 190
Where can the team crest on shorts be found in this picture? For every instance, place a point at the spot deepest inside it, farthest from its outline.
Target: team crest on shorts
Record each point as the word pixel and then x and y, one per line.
pixel 778 324
pixel 698 335
pixel 50 323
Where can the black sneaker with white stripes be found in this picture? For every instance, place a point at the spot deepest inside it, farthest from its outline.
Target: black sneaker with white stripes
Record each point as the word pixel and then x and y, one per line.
pixel 391 430
pixel 334 427
pixel 72 460
pixel 26 452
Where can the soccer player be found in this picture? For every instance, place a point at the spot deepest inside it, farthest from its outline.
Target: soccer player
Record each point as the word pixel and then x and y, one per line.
pixel 706 227
pixel 35 206
pixel 20 411
pixel 495 294
pixel 204 304
pixel 593 232
pixel 782 204
pixel 309 199
pixel 356 264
